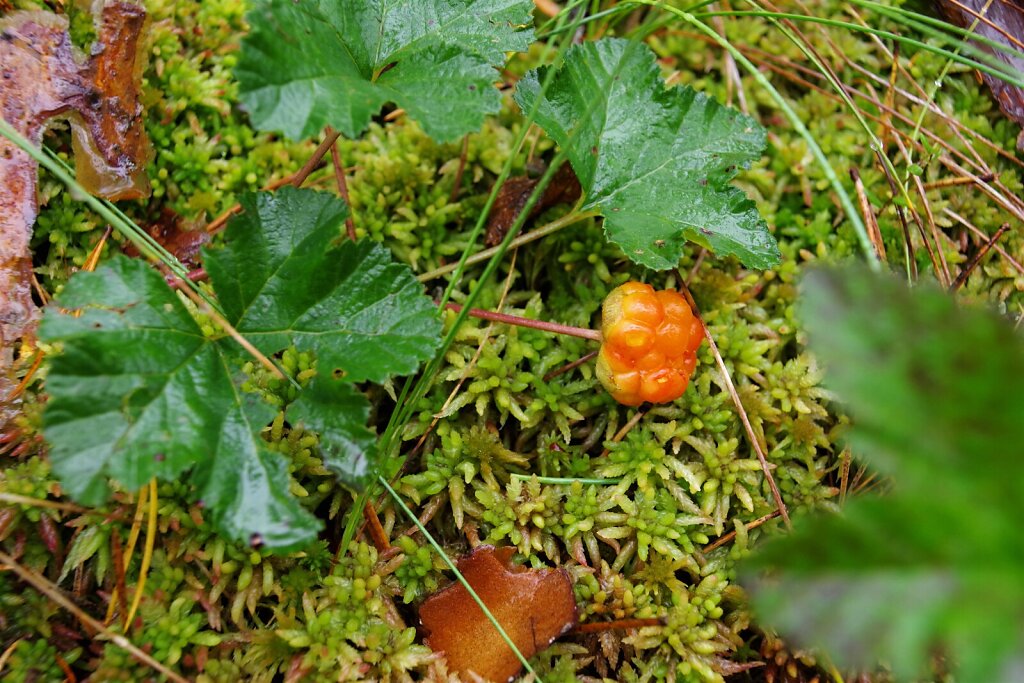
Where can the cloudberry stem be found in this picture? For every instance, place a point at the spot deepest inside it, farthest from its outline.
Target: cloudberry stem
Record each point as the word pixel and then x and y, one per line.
pixel 557 328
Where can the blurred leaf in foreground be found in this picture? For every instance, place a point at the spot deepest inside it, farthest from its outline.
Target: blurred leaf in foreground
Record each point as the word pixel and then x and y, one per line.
pixel 936 565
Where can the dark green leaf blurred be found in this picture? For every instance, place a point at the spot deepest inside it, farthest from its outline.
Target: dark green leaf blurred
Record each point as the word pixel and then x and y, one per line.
pixel 936 564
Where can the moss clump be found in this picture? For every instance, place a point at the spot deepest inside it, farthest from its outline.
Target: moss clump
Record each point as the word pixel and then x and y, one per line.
pixel 637 538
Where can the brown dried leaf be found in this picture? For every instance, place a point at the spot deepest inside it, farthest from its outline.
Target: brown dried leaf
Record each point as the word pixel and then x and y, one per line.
pixel 534 606
pixel 41 79
pixel 1001 21
pixel 513 195
pixel 180 237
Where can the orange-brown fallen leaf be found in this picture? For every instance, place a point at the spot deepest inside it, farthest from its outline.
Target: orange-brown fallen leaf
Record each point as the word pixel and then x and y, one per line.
pixel 40 79
pixel 534 606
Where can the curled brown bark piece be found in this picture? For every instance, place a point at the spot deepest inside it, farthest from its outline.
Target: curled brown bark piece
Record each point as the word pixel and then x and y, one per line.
pixel 40 79
pixel 513 195
pixel 534 606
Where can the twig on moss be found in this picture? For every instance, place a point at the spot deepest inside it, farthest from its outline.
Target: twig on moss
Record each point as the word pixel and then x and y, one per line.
pixel 339 177
pixel 15 499
pixel 981 233
pixel 625 429
pixel 375 529
pixel 976 259
pixel 726 538
pixel 460 170
pixel 234 334
pixel 296 180
pixel 950 182
pixel 572 365
pixel 51 591
pixel 543 231
pixel 754 442
pixel 556 328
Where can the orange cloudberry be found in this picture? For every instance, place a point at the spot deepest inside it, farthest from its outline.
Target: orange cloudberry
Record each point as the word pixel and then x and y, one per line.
pixel 649 343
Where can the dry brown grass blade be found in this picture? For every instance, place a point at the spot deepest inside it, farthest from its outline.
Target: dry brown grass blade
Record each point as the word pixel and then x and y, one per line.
pixel 1019 267
pixel 731 388
pixel 147 556
pixel 625 429
pixel 572 365
pixel 727 538
pixel 295 180
pixel 976 259
pixel 375 529
pixel 868 214
pixel 44 586
pixel 342 181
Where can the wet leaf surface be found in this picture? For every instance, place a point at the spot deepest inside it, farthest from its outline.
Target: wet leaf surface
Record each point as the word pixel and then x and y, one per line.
pixel 534 606
pixel 656 161
pixel 308 64
pixel 40 79
pixel 140 392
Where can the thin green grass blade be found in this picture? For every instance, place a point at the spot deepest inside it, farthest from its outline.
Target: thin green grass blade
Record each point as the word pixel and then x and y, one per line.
pixel 985 62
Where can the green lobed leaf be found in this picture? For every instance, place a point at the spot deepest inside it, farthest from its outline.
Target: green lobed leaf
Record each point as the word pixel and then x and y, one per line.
pixel 309 63
pixel 933 390
pixel 656 161
pixel 338 412
pixel 138 393
pixel 286 277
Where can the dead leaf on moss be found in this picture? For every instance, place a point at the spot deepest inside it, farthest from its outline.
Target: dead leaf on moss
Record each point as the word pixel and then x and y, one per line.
pixel 182 238
pixel 1003 22
pixel 534 606
pixel 513 195
pixel 40 79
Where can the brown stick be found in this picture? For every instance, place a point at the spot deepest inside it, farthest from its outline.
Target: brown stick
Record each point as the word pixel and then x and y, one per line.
pixel 339 176
pixel 460 170
pixel 868 214
pixel 976 259
pixel 981 233
pixel 375 528
pixel 755 444
pixel 296 180
pixel 557 328
pixel 570 366
pixel 949 182
pixel 625 429
pixel 45 587
pixel 725 538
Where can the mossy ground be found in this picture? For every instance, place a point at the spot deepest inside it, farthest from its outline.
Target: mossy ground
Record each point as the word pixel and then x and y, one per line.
pixel 686 472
